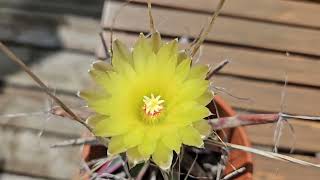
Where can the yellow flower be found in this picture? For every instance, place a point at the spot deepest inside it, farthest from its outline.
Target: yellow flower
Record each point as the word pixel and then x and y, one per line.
pixel 151 100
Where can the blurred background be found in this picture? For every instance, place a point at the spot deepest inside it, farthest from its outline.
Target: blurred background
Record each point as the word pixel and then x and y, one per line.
pixel 265 40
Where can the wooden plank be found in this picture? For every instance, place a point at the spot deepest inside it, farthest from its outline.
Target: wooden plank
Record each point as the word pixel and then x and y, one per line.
pixel 91 8
pixel 9 176
pixel 226 30
pixel 304 138
pixel 35 106
pixel 49 30
pixel 23 152
pixel 265 97
pixel 265 169
pixel 8 67
pixel 64 70
pixel 286 12
pixel 249 63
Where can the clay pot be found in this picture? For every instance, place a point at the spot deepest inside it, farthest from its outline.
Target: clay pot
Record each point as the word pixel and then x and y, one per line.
pixel 238 136
pixel 237 159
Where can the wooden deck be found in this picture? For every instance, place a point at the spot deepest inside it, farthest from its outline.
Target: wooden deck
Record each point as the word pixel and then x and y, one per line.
pixel 264 39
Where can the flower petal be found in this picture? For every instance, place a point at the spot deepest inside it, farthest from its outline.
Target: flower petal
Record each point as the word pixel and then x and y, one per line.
pixel 99 105
pixel 205 98
pixel 116 145
pixel 183 70
pixel 93 95
pixel 134 155
pixel 190 136
pixel 156 41
pixel 203 127
pixel 110 127
pixel 102 66
pixel 102 78
pixel 187 112
pixel 95 119
pixel 193 89
pixel 120 52
pixel 198 71
pixel 172 141
pixel 167 50
pixel 162 156
pixel 134 137
pixel 182 55
pixel 149 142
pixel 141 51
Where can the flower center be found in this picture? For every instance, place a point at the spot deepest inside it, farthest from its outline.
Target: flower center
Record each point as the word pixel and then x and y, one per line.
pixel 152 105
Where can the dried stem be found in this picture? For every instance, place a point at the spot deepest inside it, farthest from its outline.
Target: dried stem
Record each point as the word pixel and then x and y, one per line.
pixel 114 19
pixel 143 170
pixel 20 63
pixel 191 167
pixel 313 118
pixel 243 120
pixel 217 68
pixel 234 173
pixel 206 32
pixel 152 26
pixel 267 154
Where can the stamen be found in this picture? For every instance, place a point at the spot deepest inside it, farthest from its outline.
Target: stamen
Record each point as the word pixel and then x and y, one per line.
pixel 152 106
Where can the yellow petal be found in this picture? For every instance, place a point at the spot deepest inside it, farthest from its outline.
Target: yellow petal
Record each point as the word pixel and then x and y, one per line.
pixel 193 89
pixel 101 78
pixel 203 127
pixel 102 66
pixel 93 95
pixel 141 51
pixel 93 120
pixel 205 98
pixel 125 69
pixel 187 112
pixel 167 50
pixel 198 72
pixel 116 145
pixel 183 69
pixel 99 105
pixel 148 145
pixel 162 156
pixel 110 127
pixel 134 156
pixel 190 136
pixel 182 55
pixel 120 52
pixel 173 141
pixel 156 41
pixel 134 138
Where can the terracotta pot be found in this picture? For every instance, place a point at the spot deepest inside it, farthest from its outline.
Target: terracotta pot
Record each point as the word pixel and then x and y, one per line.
pixel 237 159
pixel 237 135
